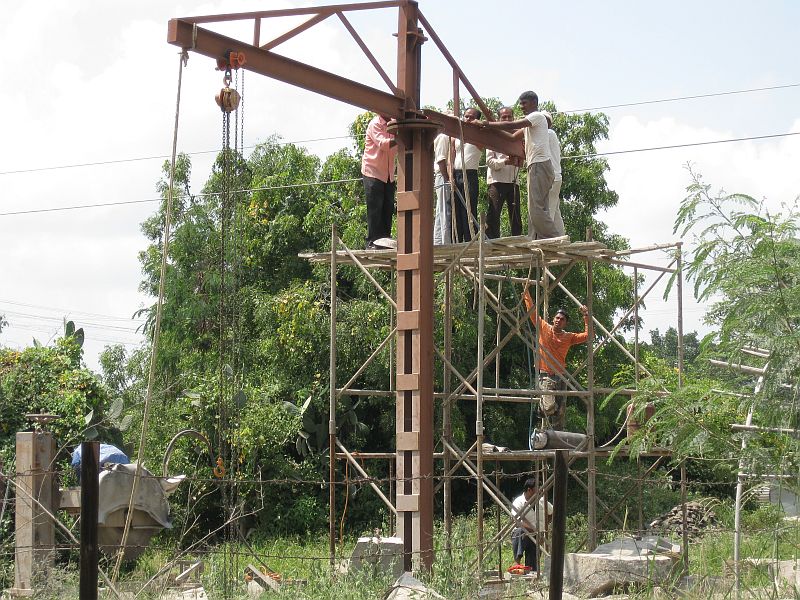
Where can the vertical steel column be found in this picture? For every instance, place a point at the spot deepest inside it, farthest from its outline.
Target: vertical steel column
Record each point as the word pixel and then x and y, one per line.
pixel 414 383
pixel 592 466
pixel 332 405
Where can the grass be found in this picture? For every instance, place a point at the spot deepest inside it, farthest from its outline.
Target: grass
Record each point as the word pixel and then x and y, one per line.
pixel 765 535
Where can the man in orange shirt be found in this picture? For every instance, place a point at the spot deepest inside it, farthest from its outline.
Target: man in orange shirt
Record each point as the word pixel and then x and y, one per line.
pixel 554 343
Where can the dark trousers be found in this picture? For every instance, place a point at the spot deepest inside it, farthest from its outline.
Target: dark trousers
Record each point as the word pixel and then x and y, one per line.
pixel 463 230
pixel 523 545
pixel 380 207
pixel 499 194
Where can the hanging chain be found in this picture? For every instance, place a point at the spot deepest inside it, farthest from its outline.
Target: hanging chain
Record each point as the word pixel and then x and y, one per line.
pixel 240 110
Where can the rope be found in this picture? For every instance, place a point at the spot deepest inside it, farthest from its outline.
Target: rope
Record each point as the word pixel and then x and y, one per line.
pixel 346 501
pixel 467 202
pixel 184 57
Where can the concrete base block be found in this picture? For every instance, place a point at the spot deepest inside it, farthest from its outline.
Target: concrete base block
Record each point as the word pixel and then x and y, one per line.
pixel 385 553
pixel 407 587
pixel 621 564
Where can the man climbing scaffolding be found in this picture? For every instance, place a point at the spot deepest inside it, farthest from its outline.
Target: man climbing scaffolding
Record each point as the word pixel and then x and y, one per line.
pixel 554 342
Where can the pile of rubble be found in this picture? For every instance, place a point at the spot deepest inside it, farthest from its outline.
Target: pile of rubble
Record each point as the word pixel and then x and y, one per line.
pixel 699 519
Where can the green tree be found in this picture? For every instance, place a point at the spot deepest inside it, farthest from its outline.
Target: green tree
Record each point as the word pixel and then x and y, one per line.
pixel 666 346
pixel 746 262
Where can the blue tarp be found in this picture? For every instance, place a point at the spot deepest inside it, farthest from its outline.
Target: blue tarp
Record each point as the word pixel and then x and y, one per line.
pixel 108 454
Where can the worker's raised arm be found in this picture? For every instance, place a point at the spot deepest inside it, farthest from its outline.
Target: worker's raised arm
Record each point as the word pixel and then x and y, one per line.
pixel 526 296
pixel 584 335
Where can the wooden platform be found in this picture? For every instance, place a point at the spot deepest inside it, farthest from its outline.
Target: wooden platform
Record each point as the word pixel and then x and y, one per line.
pixel 500 253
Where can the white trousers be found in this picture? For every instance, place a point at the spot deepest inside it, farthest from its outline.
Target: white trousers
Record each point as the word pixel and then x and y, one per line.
pixel 554 205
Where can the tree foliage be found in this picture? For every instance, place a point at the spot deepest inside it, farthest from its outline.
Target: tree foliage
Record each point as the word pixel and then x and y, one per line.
pixel 746 262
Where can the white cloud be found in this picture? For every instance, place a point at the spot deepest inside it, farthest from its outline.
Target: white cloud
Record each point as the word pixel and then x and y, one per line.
pixel 92 81
pixel 651 186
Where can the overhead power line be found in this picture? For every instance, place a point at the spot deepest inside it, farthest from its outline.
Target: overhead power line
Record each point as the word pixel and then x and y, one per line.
pixel 68 311
pixel 679 98
pixel 335 181
pixel 102 204
pixel 99 163
pixel 339 137
pixel 742 139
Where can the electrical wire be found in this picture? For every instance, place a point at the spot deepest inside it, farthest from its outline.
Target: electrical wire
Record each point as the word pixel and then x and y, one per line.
pixel 70 311
pixel 124 202
pixel 117 161
pixel 680 98
pixel 687 145
pixel 334 181
pixel 340 137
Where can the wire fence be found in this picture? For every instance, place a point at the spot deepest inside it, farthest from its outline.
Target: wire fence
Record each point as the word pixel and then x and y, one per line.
pixel 217 546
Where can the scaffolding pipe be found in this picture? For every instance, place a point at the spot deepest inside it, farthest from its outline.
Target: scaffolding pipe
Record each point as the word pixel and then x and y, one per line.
pixel 332 408
pixel 479 384
pixel 447 432
pixel 679 261
pixel 559 526
pixel 592 474
pixel 740 479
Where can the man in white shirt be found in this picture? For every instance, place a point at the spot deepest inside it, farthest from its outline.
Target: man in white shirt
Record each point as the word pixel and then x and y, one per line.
pixel 502 187
pixel 533 128
pixel 533 517
pixel 443 217
pixel 467 159
pixel 554 200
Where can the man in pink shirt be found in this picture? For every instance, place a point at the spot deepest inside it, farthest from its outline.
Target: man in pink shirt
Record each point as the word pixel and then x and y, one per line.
pixel 377 167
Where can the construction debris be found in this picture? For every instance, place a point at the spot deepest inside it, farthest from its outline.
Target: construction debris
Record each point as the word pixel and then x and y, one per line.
pixel 699 519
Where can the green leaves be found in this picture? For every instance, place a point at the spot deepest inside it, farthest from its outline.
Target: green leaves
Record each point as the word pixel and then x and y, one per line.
pixel 746 261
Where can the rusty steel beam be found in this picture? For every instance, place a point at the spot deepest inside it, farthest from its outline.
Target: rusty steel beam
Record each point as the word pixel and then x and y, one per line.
pixel 367 52
pixel 214 45
pixel 296 31
pixel 456 69
pixel 184 34
pixel 473 134
pixel 293 12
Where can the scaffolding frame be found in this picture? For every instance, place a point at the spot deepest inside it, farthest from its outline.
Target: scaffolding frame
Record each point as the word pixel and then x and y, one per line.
pixel 482 262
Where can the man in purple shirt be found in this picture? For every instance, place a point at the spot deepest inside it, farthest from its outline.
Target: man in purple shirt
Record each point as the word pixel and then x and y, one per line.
pixel 377 167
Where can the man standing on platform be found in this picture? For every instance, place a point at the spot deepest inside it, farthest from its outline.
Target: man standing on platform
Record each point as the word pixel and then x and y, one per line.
pixel 533 128
pixel 554 343
pixel 501 183
pixel 554 197
pixel 465 175
pixel 443 217
pixel 377 167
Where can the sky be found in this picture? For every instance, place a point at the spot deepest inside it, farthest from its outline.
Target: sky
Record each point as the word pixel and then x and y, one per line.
pixel 89 99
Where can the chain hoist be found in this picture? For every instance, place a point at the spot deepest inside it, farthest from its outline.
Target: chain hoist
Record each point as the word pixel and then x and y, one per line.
pixel 228 98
